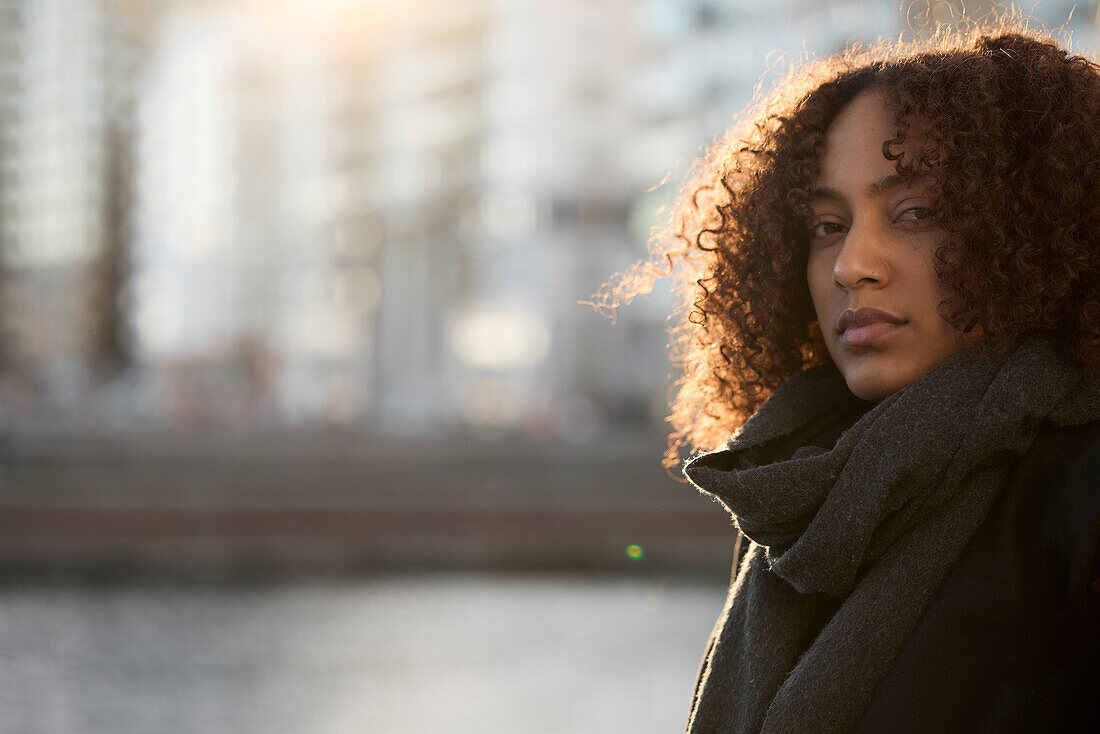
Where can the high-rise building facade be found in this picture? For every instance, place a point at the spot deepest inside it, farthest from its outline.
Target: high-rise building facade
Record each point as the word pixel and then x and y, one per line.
pixel 65 81
pixel 380 214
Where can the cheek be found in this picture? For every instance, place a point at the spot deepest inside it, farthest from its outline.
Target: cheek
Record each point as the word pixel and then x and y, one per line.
pixel 928 294
pixel 819 281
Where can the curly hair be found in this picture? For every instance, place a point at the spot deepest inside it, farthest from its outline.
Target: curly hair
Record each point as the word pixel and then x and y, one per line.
pixel 1002 121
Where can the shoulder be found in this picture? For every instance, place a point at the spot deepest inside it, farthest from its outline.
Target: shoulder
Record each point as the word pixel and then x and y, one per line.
pixel 1065 450
pixel 1060 474
pixel 1065 549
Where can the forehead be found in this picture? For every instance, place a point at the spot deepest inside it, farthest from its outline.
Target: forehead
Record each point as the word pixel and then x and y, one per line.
pixel 853 154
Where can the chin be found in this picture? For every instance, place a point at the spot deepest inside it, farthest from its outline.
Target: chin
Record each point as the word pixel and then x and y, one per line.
pixel 872 391
pixel 873 382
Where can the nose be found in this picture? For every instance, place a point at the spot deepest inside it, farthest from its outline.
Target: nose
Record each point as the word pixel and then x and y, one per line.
pixel 860 262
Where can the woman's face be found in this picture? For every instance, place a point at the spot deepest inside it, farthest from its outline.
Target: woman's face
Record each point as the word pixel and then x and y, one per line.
pixel 870 260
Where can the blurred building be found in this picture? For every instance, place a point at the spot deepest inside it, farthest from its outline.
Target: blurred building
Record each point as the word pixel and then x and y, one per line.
pixel 372 214
pixel 67 77
pixel 208 249
pixel 426 182
pixel 9 86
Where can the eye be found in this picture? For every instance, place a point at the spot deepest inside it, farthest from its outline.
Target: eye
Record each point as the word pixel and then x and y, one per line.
pixel 915 215
pixel 825 229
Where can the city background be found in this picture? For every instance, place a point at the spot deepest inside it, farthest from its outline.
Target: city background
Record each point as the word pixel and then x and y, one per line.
pixel 292 330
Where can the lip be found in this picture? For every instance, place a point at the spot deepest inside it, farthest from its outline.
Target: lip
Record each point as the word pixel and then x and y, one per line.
pixel 863 326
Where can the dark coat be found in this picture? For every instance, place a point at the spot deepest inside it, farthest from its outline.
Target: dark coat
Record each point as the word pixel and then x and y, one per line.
pixel 1012 640
pixel 1011 643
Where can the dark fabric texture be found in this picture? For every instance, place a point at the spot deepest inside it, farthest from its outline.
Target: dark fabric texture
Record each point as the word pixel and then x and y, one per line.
pixel 1011 641
pixel 857 512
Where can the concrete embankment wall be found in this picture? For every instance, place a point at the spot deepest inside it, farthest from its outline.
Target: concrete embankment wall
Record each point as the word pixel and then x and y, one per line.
pixel 342 501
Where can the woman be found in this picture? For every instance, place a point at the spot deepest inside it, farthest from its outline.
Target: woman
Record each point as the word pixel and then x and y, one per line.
pixel 891 279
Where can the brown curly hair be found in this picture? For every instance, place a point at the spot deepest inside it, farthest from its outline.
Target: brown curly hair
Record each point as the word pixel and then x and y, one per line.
pixel 1005 123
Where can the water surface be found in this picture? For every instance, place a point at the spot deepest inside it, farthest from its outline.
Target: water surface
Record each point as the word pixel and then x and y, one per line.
pixel 432 653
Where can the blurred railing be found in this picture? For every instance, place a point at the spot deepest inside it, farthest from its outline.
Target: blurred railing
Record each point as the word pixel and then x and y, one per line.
pixel 347 501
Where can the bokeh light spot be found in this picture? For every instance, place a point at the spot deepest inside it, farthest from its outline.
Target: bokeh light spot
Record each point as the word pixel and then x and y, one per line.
pixel 634 552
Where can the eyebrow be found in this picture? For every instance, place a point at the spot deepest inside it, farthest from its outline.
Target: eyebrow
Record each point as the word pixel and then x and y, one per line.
pixel 882 186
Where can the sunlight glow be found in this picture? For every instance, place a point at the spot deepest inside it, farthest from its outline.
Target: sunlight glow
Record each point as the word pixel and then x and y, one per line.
pixel 501 339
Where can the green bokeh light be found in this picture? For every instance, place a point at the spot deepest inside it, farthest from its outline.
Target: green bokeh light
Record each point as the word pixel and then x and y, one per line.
pixel 634 552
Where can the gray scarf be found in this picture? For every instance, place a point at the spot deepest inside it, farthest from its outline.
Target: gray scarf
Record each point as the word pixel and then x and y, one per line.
pixel 856 512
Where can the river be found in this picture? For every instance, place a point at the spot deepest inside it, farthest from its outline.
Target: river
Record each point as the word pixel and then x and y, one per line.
pixel 408 653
